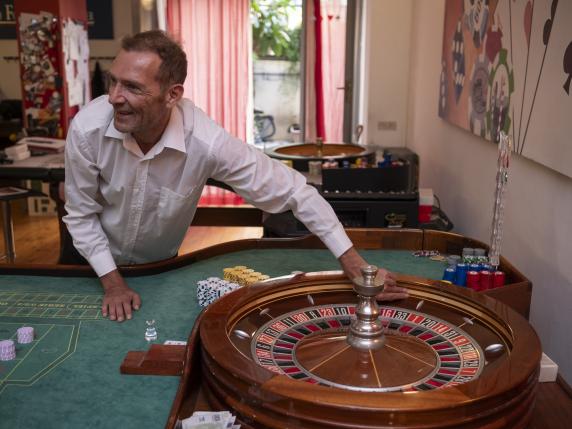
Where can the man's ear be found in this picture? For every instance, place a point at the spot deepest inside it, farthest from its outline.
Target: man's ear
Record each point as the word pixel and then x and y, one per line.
pixel 174 94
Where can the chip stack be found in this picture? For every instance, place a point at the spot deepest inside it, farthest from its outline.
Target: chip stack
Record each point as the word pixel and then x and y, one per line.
pixel 461 274
pixel 228 274
pixel 254 277
pixel 474 256
pixel 25 335
pixel 244 276
pixel 7 350
pixel 487 267
pixel 475 267
pixel 213 288
pixel 449 274
pixel 426 254
pixel 314 168
pixel 330 163
pixel 231 274
pixel 486 280
pixel 473 280
pixel 453 260
pixel 499 279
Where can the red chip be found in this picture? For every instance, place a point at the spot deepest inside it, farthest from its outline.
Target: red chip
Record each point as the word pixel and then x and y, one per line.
pixel 499 279
pixel 486 280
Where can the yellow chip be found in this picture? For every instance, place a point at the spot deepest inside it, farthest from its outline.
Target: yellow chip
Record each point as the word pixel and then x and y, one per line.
pixel 250 280
pixel 228 273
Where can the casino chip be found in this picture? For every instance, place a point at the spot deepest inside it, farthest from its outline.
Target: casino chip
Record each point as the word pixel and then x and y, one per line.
pixel 476 19
pixel 458 52
pixel 7 350
pixel 426 253
pixel 501 84
pixel 213 288
pixel 479 95
pixel 25 335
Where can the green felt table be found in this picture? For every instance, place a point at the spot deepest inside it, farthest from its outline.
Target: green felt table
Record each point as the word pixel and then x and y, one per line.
pixel 69 376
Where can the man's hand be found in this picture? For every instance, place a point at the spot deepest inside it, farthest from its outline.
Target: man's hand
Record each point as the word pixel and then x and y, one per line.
pixel 119 299
pixel 351 262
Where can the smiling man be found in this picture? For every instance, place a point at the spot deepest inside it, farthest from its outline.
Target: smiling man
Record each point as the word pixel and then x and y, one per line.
pixel 136 163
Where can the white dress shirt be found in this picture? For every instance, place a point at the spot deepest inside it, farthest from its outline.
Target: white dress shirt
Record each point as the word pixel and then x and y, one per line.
pixel 125 207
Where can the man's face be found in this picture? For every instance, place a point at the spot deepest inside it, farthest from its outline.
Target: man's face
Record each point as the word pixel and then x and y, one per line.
pixel 138 101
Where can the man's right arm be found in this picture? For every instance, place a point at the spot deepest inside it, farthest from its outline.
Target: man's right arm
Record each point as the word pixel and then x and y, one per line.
pixel 82 220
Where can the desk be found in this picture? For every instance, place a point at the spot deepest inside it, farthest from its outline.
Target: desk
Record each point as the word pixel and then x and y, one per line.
pixel 49 168
pixel 69 377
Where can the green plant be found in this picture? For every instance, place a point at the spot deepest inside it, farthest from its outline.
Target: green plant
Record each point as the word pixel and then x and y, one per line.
pixel 271 35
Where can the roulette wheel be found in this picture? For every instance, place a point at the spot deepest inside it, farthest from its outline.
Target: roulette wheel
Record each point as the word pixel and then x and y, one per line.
pixel 308 351
pixel 301 154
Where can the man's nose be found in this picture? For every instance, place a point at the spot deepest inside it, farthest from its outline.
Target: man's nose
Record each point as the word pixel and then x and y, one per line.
pixel 116 94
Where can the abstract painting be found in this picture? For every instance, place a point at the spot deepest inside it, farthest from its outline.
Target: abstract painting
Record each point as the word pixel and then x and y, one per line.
pixel 507 66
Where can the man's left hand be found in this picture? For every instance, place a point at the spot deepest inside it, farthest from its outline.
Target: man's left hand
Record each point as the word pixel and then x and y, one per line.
pixel 351 262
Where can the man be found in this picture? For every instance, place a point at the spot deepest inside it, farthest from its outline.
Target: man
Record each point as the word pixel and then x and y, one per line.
pixel 136 163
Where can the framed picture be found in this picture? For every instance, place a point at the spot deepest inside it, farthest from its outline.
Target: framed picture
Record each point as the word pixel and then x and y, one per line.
pixel 100 19
pixel 7 20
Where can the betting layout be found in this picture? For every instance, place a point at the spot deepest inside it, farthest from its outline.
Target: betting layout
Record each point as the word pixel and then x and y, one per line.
pixel 39 330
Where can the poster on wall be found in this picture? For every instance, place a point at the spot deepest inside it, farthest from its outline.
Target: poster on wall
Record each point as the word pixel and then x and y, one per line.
pixel 99 17
pixel 507 66
pixel 41 77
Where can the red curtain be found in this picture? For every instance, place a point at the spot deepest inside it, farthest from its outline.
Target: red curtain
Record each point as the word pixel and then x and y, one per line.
pixel 325 63
pixel 215 35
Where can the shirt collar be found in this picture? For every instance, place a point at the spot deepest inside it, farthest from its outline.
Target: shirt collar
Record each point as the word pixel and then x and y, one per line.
pixel 173 137
pixel 112 131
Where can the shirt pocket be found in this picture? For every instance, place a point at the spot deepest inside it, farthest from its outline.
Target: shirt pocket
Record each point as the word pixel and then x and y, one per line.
pixel 173 205
pixel 175 212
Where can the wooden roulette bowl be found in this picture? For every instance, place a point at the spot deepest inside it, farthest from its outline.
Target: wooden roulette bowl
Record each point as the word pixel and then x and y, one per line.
pixel 301 154
pixel 275 353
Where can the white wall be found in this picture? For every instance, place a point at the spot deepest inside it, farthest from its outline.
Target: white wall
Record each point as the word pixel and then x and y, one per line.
pixel 461 169
pixel 388 24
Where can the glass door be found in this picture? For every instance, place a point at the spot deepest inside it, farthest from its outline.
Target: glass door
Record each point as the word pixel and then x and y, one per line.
pixel 305 59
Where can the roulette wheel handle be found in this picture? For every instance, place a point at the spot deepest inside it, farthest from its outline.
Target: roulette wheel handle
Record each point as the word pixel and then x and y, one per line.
pixel 366 330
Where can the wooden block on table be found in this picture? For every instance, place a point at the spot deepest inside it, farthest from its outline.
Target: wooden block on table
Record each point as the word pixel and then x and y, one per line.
pixel 160 359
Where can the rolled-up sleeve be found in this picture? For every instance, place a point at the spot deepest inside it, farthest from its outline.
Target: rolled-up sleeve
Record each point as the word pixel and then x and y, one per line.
pixel 81 189
pixel 273 187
